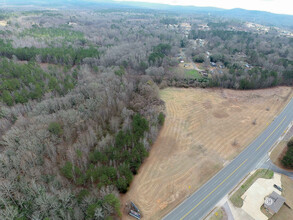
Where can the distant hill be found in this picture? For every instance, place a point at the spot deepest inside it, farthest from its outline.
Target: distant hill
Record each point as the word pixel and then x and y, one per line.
pixel 261 17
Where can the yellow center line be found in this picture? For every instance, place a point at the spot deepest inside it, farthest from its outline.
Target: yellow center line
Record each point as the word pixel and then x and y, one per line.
pixel 213 190
pixel 271 133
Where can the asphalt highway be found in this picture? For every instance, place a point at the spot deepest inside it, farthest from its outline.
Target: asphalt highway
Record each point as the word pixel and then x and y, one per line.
pixel 200 203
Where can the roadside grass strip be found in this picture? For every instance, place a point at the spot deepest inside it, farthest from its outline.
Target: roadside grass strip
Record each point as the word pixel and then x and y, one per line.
pixel 236 197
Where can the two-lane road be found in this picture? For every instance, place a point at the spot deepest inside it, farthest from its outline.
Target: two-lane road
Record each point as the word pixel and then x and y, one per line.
pixel 199 204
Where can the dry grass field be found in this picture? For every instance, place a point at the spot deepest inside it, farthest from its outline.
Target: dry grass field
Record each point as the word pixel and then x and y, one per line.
pixel 204 129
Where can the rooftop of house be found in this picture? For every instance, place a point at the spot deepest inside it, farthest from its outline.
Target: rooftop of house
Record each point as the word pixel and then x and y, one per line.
pixel 274 202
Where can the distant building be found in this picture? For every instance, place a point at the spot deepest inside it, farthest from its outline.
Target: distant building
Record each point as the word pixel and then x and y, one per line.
pixel 72 23
pixel 186 26
pixel 203 27
pixel 204 73
pixel 274 202
pixel 213 64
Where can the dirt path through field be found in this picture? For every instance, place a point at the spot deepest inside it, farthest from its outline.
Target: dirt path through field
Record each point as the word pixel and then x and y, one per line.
pixel 203 130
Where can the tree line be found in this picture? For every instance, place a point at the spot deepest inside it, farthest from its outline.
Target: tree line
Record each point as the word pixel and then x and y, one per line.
pixel 66 55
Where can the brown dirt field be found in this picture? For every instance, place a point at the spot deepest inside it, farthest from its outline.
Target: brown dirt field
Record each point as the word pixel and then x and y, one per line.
pixel 204 128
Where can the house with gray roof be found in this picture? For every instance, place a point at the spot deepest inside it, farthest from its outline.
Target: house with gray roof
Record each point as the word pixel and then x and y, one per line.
pixel 274 202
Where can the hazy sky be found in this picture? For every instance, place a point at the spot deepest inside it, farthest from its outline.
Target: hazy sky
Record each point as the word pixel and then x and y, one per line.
pixel 275 6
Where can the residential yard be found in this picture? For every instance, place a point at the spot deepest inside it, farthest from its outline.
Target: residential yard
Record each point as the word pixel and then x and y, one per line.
pixel 285 213
pixel 204 129
pixel 236 197
pixel 187 70
pixel 287 185
pixel 193 74
pixel 256 194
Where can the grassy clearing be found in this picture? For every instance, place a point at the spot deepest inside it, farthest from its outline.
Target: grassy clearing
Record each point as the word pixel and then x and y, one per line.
pixel 218 215
pixel 236 197
pixel 193 74
pixel 50 33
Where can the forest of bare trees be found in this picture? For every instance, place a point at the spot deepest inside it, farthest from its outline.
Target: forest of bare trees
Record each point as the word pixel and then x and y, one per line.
pixel 79 99
pixel 75 124
pixel 54 143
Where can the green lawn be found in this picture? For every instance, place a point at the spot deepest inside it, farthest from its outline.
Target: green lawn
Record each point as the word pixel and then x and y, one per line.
pixel 193 74
pixel 261 173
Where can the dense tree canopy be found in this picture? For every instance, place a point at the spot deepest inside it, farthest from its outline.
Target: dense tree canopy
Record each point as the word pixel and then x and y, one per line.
pixel 22 82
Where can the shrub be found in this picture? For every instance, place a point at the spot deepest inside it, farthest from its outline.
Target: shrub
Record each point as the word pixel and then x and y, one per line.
pixel 91 210
pixel 161 118
pixel 67 170
pixel 82 194
pixel 290 143
pixel 198 59
pixel 55 128
pixel 120 72
pixel 113 201
pixel 287 160
pixel 7 98
pixel 122 185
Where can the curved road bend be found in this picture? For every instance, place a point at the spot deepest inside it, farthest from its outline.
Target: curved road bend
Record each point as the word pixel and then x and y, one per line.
pixel 200 203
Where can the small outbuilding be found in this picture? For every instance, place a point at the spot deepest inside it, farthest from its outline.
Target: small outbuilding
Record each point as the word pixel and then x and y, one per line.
pixel 213 64
pixel 274 202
